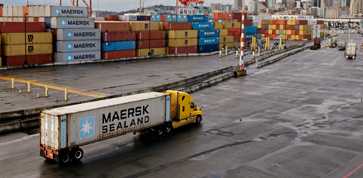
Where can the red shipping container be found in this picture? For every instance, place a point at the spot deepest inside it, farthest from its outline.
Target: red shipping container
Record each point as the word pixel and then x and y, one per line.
pixel 111 18
pixel 113 26
pixel 35 27
pixel 39 59
pixel 183 50
pixel 151 35
pixel 12 61
pixel 234 32
pixel 18 27
pixel 247 22
pixel 118 36
pixel 162 18
pixel 143 44
pixel 177 26
pixel 302 22
pixel 118 54
pixel 238 16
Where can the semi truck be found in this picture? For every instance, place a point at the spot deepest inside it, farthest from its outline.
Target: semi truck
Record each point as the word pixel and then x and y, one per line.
pixel 65 129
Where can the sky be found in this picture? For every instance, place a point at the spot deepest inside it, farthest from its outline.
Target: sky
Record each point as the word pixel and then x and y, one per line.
pixel 115 5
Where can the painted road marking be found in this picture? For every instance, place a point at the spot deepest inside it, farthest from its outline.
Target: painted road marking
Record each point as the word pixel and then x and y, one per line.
pixel 356 169
pixel 54 87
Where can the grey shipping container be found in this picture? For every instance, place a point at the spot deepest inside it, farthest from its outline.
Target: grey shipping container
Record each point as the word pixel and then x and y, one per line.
pixel 74 22
pixel 78 46
pixel 56 11
pixel 86 123
pixel 78 34
pixel 74 57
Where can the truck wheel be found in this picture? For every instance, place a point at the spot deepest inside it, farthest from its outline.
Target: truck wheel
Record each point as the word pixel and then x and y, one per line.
pixel 64 158
pixel 77 154
pixel 168 130
pixel 198 120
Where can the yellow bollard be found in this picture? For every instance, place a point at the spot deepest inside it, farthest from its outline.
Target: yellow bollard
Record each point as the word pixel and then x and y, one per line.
pixel 46 91
pixel 65 94
pixel 28 88
pixel 12 83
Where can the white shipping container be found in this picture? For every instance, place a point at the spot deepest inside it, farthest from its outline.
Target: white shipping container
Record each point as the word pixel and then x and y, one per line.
pixel 76 57
pixel 78 34
pixel 74 22
pixel 86 123
pixel 78 46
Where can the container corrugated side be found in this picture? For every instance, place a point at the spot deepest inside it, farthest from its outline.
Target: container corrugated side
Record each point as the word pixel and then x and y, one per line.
pixel 78 46
pixel 33 49
pixel 72 57
pixel 69 11
pixel 182 42
pixel 118 46
pixel 39 37
pixel 208 33
pixel 72 22
pixel 202 25
pixel 208 41
pixel 78 34
pixel 100 120
pixel 182 34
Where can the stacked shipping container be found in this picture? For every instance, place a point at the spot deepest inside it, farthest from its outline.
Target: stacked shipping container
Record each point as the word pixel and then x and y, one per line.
pixel 25 43
pixel 77 38
pixel 181 38
pixel 208 37
pixel 117 40
pixel 150 38
pixel 291 29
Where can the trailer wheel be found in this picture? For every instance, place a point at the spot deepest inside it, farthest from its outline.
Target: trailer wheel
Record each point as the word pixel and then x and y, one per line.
pixel 64 158
pixel 77 154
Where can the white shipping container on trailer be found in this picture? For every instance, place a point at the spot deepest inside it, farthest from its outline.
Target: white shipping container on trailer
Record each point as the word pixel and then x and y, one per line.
pixel 77 125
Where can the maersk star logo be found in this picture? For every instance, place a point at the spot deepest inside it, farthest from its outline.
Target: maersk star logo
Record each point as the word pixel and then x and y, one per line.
pixel 87 127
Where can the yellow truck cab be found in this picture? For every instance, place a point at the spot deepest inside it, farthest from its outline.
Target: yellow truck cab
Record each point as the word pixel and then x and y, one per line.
pixel 183 110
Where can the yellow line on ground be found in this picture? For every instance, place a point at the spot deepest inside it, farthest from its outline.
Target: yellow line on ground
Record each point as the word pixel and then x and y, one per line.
pixel 53 87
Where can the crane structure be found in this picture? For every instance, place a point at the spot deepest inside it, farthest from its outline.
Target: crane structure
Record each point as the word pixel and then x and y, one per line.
pixel 87 3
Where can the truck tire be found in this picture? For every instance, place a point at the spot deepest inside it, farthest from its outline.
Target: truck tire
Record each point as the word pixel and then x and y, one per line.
pixel 198 120
pixel 168 129
pixel 77 154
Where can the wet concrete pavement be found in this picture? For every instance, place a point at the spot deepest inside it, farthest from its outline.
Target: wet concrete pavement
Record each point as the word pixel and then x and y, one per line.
pixel 300 117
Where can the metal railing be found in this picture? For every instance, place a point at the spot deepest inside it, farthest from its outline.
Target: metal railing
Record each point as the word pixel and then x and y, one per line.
pixel 46 87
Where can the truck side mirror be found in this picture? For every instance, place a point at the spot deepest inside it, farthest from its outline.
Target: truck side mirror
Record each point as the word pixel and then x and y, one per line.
pixel 192 105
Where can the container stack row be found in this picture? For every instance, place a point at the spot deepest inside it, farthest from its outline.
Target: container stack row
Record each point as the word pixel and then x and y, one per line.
pixel 77 40
pixel 291 29
pixel 25 43
pixel 208 37
pixel 151 39
pixel 117 40
pixel 229 24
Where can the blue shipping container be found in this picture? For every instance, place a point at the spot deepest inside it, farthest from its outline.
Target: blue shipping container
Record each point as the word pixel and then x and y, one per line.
pixel 208 41
pixel 250 30
pixel 155 18
pixel 208 48
pixel 118 46
pixel 197 18
pixel 208 33
pixel 202 26
pixel 176 18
